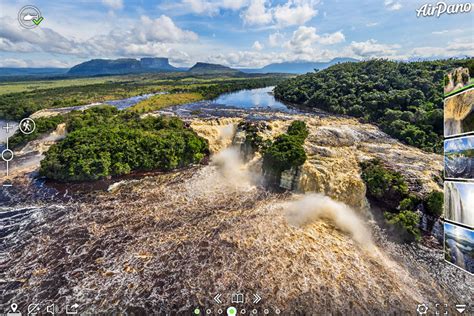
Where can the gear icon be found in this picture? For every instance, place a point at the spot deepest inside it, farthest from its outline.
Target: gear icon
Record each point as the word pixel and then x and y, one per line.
pixel 422 309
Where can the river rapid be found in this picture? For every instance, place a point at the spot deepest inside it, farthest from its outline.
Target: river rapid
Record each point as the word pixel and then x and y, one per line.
pixel 167 243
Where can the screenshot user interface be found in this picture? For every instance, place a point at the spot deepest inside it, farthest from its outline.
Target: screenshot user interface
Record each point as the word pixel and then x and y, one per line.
pixel 245 157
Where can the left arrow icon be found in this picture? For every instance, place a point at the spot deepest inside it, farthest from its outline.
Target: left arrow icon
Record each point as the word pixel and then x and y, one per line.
pixel 217 298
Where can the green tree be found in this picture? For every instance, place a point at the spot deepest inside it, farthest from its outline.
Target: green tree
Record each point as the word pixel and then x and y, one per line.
pixel 382 92
pixel 285 152
pixel 406 223
pixel 103 142
pixel 434 203
pixel 385 186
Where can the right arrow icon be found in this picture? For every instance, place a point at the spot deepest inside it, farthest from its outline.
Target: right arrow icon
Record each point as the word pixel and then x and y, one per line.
pixel 256 298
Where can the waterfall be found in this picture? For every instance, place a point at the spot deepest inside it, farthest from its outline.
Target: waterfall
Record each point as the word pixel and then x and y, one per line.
pixel 459 202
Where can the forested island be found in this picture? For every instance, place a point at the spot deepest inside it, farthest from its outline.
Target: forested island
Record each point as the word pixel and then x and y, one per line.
pixel 404 99
pixel 104 142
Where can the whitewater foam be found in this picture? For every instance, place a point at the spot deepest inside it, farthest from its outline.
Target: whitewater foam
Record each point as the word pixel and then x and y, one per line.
pixel 311 207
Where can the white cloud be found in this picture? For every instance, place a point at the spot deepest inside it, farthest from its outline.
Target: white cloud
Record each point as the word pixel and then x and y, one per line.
pixel 146 37
pixel 11 62
pixel 20 63
pixel 451 32
pixel 113 4
pixel 333 38
pixel 257 13
pixel 295 12
pixel 275 39
pixel 305 37
pixel 15 39
pixel 452 49
pixel 249 59
pixel 257 46
pixel 210 7
pixel 253 59
pixel 162 29
pixel 462 47
pixel 392 5
pixel 372 49
pixel 372 24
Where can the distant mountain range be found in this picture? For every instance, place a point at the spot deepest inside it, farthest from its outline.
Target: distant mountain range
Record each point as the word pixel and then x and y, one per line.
pixel 205 68
pixel 10 71
pixel 121 66
pixel 298 67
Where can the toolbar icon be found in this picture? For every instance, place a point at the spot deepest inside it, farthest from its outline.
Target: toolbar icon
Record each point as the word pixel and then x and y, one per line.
pixel 461 308
pixel 422 309
pixel 27 126
pixel 231 311
pixel 7 154
pixel 33 309
pixel 441 309
pixel 256 298
pixel 51 309
pixel 238 298
pixel 72 309
pixel 217 298
pixel 13 310
pixel 29 17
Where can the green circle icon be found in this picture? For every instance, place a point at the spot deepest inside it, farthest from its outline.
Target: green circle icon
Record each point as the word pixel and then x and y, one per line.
pixel 197 311
pixel 231 311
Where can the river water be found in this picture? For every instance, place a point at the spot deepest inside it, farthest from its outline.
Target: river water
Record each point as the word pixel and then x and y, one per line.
pixel 184 236
pixel 252 104
pixel 255 99
pixel 129 102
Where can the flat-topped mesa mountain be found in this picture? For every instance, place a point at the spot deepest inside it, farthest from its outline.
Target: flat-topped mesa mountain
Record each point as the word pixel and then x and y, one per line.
pixel 206 68
pixel 122 66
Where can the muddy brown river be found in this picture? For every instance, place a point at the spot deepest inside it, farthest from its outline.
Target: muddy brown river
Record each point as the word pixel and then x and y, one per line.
pixel 168 243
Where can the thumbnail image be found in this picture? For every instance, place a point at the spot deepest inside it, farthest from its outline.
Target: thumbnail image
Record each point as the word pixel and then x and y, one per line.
pixel 459 158
pixel 457 80
pixel 459 202
pixel 459 246
pixel 458 114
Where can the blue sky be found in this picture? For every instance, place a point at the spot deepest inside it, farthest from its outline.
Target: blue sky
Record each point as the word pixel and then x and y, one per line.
pixel 238 33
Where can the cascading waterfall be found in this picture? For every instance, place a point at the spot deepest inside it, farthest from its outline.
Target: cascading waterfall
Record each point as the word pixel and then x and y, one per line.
pixel 165 243
pixel 458 206
pixel 456 109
